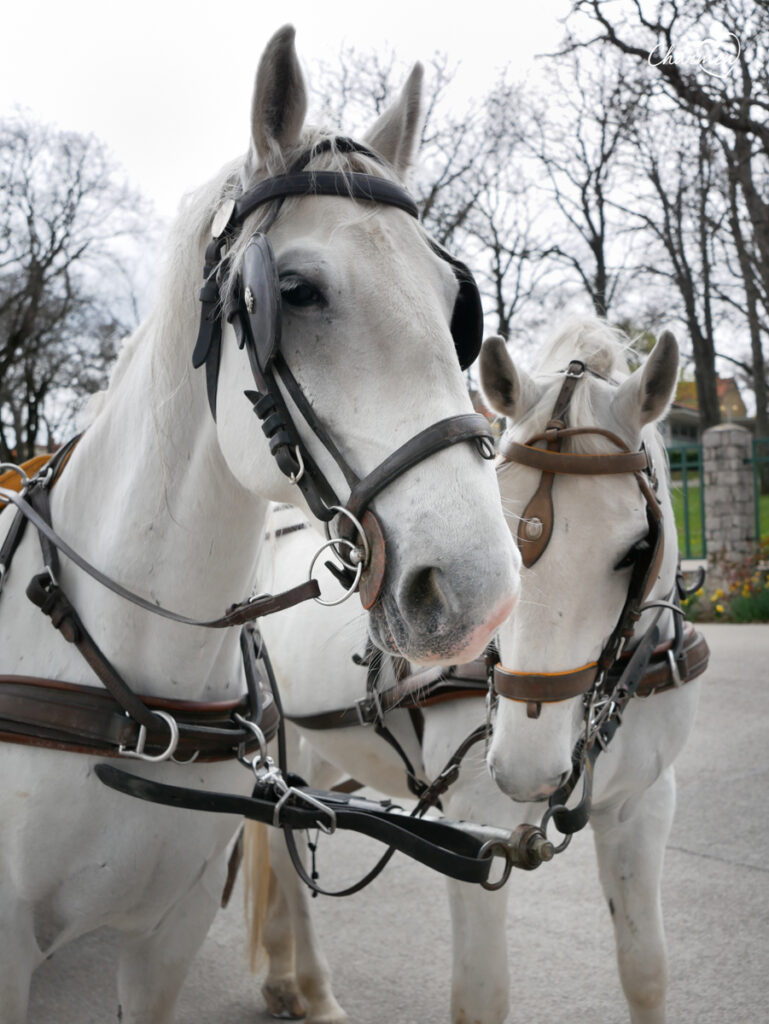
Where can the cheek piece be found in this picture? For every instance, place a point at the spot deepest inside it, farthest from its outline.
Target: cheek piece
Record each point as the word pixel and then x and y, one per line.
pixel 253 307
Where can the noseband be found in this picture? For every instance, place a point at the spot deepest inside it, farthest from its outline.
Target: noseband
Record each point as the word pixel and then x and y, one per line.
pixel 536 527
pixel 253 308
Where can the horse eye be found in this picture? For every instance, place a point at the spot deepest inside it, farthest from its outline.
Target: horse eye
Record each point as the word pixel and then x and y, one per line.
pixel 630 558
pixel 300 293
pixel 627 561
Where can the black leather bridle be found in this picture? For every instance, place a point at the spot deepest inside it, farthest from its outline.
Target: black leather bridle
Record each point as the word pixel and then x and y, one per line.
pixel 252 306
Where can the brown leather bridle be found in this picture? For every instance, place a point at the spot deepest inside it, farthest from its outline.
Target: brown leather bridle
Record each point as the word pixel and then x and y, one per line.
pixel 536 527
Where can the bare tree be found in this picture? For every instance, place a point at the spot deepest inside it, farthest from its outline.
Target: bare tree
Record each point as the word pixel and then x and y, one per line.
pixel 466 184
pixel 708 61
pixel 65 224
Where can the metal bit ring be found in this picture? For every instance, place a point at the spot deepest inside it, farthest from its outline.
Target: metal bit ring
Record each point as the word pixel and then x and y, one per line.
pixel 546 817
pixel 358 569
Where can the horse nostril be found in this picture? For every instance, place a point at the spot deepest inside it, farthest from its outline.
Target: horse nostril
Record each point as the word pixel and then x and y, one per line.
pixel 425 595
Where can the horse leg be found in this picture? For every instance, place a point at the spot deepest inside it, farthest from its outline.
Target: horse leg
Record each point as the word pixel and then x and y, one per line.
pixel 313 975
pixel 480 983
pixel 298 973
pixel 630 853
pixel 280 989
pixel 153 966
pixel 20 956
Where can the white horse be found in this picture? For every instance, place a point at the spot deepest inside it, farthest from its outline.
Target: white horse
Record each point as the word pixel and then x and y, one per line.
pixel 172 503
pixel 571 597
pixel 569 603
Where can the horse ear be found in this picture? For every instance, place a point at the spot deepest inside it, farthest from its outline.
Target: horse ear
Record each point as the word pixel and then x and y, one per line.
pixel 509 391
pixel 647 393
pixel 279 104
pixel 396 134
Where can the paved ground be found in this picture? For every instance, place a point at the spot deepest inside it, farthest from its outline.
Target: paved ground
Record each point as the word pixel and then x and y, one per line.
pixel 390 954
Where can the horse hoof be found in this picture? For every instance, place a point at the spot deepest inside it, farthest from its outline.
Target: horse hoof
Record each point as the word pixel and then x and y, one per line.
pixel 283 1001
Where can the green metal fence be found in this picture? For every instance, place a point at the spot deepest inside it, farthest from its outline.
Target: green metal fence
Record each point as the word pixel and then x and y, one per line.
pixel 761 485
pixel 688 492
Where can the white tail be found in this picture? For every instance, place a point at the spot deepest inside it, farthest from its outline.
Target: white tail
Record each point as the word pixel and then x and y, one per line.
pixel 256 871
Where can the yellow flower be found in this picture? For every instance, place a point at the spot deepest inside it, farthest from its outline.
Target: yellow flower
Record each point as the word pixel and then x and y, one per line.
pixel 717 595
pixel 720 609
pixel 700 592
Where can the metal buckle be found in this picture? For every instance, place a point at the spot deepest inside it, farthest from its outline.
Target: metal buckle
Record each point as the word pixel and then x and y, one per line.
pixel 369 702
pixel 141 740
pixel 312 802
pixel 674 673
pixel 579 373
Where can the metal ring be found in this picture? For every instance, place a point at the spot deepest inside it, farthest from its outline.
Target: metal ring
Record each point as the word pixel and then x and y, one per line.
pixel 11 467
pixel 546 821
pixel 488 850
pixel 361 533
pixel 358 570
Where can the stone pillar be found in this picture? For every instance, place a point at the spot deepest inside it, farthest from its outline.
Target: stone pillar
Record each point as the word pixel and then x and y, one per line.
pixel 729 503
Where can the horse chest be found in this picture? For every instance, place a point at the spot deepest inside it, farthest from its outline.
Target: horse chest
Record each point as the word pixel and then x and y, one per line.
pixel 87 857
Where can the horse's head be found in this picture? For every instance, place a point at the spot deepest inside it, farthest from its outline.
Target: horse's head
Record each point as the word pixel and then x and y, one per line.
pixel 360 325
pixel 579 551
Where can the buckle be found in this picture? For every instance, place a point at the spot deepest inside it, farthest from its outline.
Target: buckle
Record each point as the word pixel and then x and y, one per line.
pixel 575 374
pixel 368 706
pixel 675 675
pixel 141 740
pixel 327 827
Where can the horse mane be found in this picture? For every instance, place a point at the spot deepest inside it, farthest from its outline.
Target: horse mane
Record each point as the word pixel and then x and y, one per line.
pixel 175 309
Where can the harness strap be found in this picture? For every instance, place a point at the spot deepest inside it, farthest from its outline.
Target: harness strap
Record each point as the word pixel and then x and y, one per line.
pixel 88 720
pixel 574 463
pixel 237 615
pixel 420 690
pixel 438 845
pixel 543 687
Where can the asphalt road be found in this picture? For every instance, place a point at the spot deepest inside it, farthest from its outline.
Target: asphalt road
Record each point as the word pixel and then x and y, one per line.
pixel 389 947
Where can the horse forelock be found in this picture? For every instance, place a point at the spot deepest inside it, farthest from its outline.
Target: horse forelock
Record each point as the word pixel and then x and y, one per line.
pixel 333 158
pixel 603 349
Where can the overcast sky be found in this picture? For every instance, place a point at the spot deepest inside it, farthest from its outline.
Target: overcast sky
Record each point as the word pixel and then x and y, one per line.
pixel 167 84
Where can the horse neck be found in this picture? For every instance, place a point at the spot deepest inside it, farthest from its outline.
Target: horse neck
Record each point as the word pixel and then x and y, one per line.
pixel 147 496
